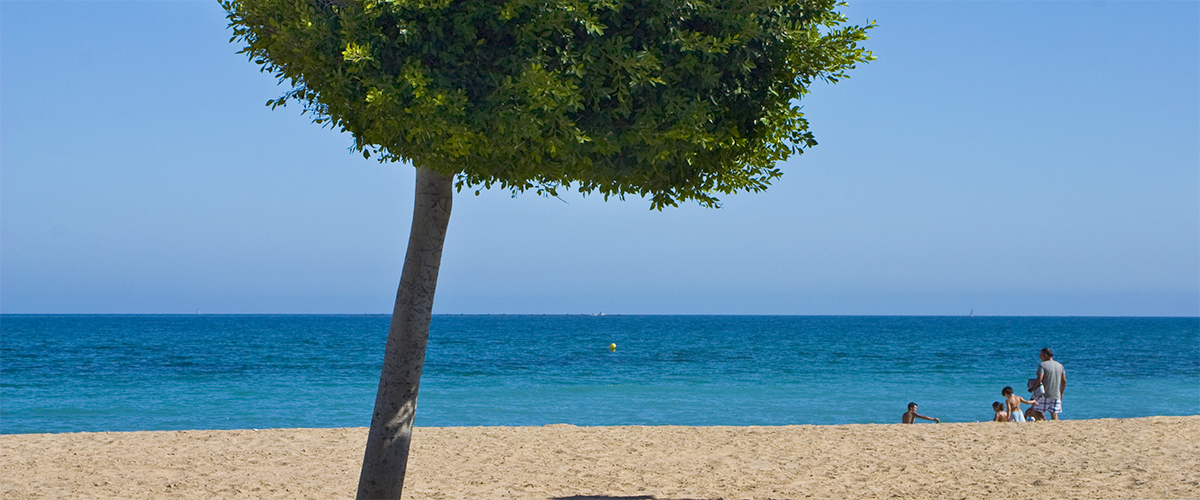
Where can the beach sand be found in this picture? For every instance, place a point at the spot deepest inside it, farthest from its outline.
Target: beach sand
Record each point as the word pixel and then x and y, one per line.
pixel 1157 457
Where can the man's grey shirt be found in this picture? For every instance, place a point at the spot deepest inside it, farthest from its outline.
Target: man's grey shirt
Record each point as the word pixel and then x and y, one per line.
pixel 1052 373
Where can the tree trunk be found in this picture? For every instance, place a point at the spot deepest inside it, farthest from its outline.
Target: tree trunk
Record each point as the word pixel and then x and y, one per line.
pixel 386 457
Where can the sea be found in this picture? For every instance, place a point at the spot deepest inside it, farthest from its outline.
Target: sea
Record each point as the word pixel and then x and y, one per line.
pixel 87 373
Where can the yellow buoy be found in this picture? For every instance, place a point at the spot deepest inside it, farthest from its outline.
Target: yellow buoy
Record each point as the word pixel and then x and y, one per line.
pixel 612 347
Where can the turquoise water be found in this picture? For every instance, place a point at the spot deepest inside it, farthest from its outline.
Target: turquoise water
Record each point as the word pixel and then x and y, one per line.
pixel 68 373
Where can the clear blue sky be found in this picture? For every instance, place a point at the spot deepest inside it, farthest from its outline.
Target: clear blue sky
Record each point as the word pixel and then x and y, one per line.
pixel 1011 158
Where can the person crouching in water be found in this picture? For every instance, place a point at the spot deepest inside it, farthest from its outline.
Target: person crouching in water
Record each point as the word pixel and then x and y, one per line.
pixel 1013 404
pixel 911 416
pixel 1036 393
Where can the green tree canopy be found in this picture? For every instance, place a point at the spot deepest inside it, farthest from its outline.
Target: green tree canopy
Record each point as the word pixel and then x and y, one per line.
pixel 668 99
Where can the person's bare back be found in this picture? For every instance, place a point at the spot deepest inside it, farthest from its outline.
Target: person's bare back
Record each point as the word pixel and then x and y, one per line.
pixel 1013 404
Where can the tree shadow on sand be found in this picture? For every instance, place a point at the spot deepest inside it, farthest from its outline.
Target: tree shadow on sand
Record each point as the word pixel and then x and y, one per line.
pixel 638 497
pixel 604 497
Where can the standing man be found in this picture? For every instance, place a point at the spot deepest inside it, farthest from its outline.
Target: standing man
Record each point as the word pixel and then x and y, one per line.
pixel 1053 379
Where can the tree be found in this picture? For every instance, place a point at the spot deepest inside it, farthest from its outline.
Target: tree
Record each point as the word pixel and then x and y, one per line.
pixel 668 100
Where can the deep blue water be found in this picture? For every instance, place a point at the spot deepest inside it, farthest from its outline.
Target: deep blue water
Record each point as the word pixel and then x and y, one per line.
pixel 68 373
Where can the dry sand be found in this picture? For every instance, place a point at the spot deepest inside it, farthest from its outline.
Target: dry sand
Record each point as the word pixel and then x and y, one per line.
pixel 1156 457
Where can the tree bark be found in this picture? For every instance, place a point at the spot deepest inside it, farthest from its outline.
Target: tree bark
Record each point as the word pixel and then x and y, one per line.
pixel 386 457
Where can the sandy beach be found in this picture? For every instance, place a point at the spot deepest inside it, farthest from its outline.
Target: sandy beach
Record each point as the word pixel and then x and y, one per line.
pixel 1155 457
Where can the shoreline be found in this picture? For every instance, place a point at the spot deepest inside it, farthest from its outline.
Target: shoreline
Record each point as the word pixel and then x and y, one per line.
pixel 1148 457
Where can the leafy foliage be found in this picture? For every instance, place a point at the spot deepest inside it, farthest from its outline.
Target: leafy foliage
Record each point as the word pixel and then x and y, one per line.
pixel 674 100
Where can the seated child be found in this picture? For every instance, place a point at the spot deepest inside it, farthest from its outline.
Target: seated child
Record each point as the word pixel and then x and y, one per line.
pixel 1013 404
pixel 1001 415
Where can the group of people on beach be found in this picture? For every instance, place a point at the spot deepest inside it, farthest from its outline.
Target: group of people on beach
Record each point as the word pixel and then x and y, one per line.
pixel 1046 392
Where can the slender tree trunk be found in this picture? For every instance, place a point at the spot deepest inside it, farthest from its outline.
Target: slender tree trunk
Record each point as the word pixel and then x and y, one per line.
pixel 386 457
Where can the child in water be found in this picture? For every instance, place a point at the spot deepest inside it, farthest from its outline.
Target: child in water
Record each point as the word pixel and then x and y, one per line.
pixel 1001 415
pixel 1013 404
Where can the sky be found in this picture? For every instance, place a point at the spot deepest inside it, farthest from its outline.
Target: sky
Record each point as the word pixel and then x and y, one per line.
pixel 1005 158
